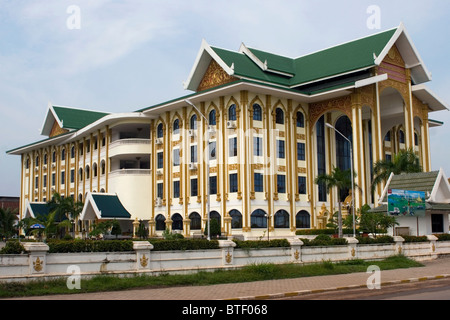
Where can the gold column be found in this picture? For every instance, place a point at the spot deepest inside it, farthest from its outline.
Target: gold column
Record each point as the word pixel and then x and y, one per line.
pixel 244 157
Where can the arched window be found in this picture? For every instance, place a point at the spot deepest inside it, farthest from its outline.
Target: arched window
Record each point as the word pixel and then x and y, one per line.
pixel 102 190
pixel 216 216
pixel 416 139
pixel 177 222
pixel 212 117
pixel 87 172
pixel 103 167
pixel 401 136
pixel 281 219
pixel 80 198
pixel 279 116
pixel 344 126
pixel 72 152
pixel 257 112
pixel 80 173
pixel 94 169
pixel 36 161
pixel 236 219
pixel 232 113
pixel 300 120
pixel 159 131
pixel 303 220
pixel 160 222
pixel 176 126
pixel 193 122
pixel 258 219
pixel 63 154
pixel 196 221
pixel 54 156
pixel 45 158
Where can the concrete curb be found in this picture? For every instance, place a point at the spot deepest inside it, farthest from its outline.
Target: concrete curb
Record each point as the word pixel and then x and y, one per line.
pixel 354 286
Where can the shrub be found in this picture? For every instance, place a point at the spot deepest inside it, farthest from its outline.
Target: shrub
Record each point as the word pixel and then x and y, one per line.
pixel 325 241
pixel 183 244
pixel 65 246
pixel 12 247
pixel 415 238
pixel 312 232
pixel 443 237
pixel 381 239
pixel 259 244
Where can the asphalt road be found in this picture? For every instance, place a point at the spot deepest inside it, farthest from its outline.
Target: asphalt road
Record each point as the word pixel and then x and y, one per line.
pixel 424 290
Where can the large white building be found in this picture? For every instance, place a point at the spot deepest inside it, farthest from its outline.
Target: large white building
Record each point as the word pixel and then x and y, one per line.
pixel 265 118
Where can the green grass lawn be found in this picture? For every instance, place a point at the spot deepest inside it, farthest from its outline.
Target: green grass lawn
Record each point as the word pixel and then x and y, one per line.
pixel 256 272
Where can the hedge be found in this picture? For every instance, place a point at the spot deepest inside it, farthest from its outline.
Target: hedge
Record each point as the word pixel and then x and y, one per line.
pixel 415 238
pixel 259 244
pixel 443 237
pixel 377 240
pixel 324 240
pixel 12 247
pixel 65 246
pixel 313 232
pixel 183 244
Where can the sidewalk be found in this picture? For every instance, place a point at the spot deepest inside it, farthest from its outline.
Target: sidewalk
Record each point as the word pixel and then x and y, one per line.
pixel 271 289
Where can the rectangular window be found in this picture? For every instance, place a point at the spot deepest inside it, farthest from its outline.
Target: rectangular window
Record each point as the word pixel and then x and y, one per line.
pixel 160 160
pixel 257 146
pixel 176 189
pixel 233 182
pixel 213 185
pixel 194 187
pixel 302 185
pixel 280 149
pixel 176 157
pixel 72 176
pixel 232 147
pixel 63 177
pixel 300 151
pixel 259 182
pixel 194 154
pixel 159 190
pixel 281 183
pixel 53 179
pixel 45 181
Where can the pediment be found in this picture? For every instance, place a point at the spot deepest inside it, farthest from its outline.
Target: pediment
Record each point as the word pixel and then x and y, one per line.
pixel 214 76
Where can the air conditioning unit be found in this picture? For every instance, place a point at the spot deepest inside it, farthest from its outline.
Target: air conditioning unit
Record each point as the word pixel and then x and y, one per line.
pixel 192 166
pixel 158 202
pixel 159 141
pixel 231 125
pixel 191 132
pixel 211 129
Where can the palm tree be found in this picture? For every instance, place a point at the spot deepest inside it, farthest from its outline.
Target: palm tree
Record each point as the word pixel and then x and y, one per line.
pixel 51 224
pixel 65 207
pixel 7 221
pixel 405 161
pixel 340 179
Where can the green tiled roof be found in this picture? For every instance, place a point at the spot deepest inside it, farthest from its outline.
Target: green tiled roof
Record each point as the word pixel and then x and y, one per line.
pixel 110 207
pixel 77 118
pixel 348 57
pixel 423 181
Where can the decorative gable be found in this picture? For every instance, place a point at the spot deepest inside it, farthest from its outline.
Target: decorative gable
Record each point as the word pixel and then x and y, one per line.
pixel 394 65
pixel 214 76
pixel 56 130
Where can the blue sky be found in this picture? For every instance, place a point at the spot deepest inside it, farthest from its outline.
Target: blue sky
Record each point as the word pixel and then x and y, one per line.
pixel 131 54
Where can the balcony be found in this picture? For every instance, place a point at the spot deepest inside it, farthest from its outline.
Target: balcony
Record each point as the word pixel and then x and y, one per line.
pixel 129 146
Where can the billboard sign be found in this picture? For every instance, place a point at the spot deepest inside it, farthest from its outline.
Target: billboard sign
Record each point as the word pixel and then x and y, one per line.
pixel 406 203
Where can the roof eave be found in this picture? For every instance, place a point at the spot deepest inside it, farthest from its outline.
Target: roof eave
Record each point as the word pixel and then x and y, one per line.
pixel 204 57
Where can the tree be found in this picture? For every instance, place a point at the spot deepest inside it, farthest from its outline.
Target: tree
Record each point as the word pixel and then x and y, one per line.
pixel 51 224
pixel 65 207
pixel 405 161
pixel 7 221
pixel 339 179
pixel 371 222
